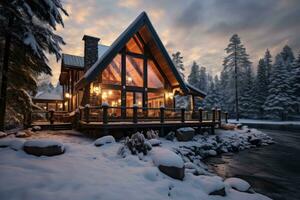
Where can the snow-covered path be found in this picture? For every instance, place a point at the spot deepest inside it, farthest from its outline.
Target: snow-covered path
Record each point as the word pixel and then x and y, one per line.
pixel 88 172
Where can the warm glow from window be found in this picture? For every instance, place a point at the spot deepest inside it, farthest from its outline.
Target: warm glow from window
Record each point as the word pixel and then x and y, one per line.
pixel 68 95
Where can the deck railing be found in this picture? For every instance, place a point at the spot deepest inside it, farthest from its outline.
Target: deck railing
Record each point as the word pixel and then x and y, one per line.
pixel 106 114
pixel 44 116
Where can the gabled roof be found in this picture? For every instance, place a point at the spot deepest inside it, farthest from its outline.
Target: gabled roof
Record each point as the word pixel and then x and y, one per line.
pixel 196 91
pixel 45 95
pixel 141 23
pixel 77 62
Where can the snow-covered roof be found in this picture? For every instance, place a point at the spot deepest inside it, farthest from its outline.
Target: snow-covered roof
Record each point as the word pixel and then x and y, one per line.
pixel 45 95
pixel 196 90
pixel 78 61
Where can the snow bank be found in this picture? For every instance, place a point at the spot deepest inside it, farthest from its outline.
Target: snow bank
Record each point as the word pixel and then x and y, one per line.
pixel 165 157
pixel 13 143
pixel 154 142
pixel 105 140
pixel 2 134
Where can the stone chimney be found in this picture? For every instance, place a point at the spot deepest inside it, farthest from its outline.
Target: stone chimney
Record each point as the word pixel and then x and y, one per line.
pixel 90 51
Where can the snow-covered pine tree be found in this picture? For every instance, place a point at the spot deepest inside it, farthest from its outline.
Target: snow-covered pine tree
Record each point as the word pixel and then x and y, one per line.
pixel 279 102
pixel 261 87
pixel 178 62
pixel 235 65
pixel 193 78
pixel 27 32
pixel 288 57
pixel 268 64
pixel 246 105
pixel 203 79
pixel 294 82
pixel 212 99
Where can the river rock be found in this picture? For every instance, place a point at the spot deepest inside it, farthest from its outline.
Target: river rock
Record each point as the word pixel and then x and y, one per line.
pixel 105 140
pixel 255 141
pixel 43 147
pixel 168 162
pixel 238 184
pixel 170 136
pixel 185 134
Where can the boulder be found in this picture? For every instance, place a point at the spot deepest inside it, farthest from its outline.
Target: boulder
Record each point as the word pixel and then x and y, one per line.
pixel 43 147
pixel 255 141
pixel 168 162
pixel 220 192
pixel 105 140
pixel 185 134
pixel 2 134
pixel 36 128
pixel 154 142
pixel 238 184
pixel 170 136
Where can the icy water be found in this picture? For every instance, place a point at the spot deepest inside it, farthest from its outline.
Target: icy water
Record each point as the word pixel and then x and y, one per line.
pixel 271 170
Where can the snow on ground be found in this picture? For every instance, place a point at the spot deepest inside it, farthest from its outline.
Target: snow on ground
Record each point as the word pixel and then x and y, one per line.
pixel 255 121
pixel 85 171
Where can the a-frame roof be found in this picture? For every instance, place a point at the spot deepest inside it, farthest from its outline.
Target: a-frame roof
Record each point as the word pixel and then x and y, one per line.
pixel 143 26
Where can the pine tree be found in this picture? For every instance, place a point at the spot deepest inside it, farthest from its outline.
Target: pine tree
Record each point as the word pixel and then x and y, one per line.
pixel 26 33
pixel 278 102
pixel 246 98
pixel 294 82
pixel 203 79
pixel 235 64
pixel 212 99
pixel 177 60
pixel 261 87
pixel 268 64
pixel 193 78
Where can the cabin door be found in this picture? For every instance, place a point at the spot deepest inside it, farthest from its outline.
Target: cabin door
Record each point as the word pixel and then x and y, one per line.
pixel 133 98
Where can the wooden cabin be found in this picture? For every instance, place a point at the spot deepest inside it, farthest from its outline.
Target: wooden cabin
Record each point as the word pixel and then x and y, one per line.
pixel 135 70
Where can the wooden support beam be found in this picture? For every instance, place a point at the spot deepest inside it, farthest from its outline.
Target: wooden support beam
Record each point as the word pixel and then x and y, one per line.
pixel 182 115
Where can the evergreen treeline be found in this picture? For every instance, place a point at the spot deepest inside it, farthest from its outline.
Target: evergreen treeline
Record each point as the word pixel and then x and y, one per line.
pixel 270 92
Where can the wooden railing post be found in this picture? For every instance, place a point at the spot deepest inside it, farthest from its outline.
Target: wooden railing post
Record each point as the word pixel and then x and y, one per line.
pixel 213 115
pixel 182 115
pixel 219 116
pixel 135 114
pixel 226 117
pixel 105 107
pixel 200 109
pixel 80 114
pixel 51 118
pixel 162 114
pixel 87 113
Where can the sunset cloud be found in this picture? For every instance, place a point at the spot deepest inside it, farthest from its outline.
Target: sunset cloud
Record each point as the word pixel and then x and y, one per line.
pixel 199 29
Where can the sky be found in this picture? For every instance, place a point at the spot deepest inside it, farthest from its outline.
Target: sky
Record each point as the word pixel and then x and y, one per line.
pixel 199 29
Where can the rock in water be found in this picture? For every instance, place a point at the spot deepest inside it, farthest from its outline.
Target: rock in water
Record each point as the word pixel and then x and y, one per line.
pixel 255 141
pixel 105 140
pixel 168 162
pixel 238 184
pixel 43 147
pixel 185 134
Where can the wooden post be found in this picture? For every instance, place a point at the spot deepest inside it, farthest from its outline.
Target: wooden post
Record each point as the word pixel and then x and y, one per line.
pixel 80 114
pixel 182 115
pixel 87 113
pixel 226 117
pixel 105 113
pixel 51 119
pixel 200 109
pixel 135 113
pixel 219 116
pixel 213 115
pixel 162 114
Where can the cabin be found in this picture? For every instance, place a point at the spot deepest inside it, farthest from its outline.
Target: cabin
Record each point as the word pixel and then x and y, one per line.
pixel 133 78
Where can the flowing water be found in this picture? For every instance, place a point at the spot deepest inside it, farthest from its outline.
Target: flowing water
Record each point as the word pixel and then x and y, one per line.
pixel 271 170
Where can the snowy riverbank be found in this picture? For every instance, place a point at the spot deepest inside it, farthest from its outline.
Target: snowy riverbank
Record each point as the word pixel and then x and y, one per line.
pixel 85 171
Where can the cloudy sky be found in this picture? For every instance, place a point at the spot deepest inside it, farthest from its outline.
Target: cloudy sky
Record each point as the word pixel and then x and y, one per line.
pixel 200 29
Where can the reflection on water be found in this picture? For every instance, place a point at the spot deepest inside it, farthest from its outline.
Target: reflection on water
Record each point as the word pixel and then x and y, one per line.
pixel 272 170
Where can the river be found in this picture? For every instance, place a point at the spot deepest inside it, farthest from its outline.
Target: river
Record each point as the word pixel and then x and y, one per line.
pixel 271 170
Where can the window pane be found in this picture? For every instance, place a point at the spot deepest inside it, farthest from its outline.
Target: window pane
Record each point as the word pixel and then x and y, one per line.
pixel 113 98
pixel 134 45
pixel 134 71
pixel 112 73
pixel 155 79
pixel 155 100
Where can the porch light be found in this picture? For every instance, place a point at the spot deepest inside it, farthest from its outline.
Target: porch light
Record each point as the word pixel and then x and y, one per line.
pixel 96 90
pixel 45 107
pixel 104 95
pixel 68 95
pixel 129 79
pixel 139 103
pixel 109 92
pixel 119 101
pixel 169 95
